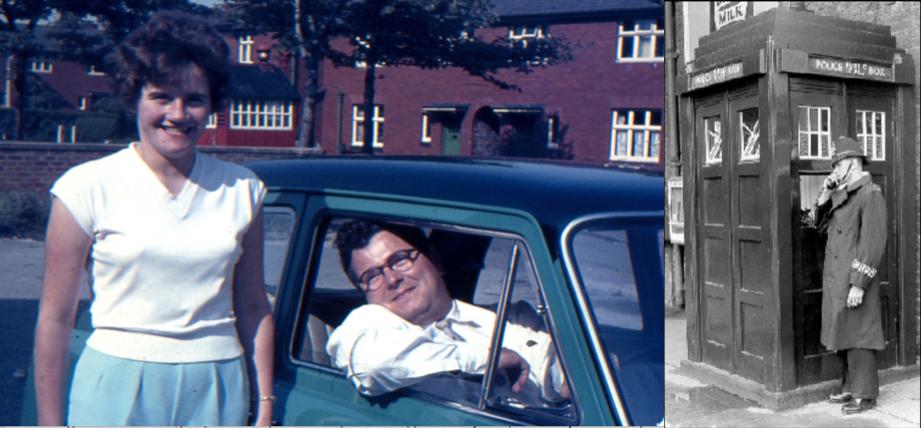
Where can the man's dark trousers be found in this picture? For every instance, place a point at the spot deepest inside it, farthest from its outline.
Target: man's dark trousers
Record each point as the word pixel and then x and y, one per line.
pixel 859 374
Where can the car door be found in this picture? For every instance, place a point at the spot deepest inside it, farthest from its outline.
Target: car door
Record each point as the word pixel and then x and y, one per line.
pixel 315 295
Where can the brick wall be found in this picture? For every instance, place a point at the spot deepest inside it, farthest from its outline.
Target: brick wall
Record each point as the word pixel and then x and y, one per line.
pixel 35 166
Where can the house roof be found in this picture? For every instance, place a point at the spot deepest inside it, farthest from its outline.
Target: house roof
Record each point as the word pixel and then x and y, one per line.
pixel 253 81
pixel 526 8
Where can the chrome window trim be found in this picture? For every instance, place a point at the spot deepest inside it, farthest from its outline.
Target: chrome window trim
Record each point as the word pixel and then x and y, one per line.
pixel 582 300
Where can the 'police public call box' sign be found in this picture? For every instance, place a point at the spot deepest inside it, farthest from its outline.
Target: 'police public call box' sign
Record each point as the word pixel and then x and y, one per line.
pixel 848 68
pixel 715 75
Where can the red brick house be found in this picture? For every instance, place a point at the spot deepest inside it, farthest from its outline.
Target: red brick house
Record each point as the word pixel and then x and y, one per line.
pixel 263 106
pixel 262 109
pixel 604 105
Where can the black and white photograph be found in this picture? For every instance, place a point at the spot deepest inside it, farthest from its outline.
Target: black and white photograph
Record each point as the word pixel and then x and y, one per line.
pixel 792 143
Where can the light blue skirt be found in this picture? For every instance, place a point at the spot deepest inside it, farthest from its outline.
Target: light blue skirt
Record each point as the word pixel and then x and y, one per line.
pixel 110 391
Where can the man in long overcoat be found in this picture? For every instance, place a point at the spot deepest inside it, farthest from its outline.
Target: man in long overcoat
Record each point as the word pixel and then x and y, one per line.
pixel 851 210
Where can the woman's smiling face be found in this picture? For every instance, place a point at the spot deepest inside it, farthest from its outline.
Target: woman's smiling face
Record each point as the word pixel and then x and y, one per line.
pixel 171 117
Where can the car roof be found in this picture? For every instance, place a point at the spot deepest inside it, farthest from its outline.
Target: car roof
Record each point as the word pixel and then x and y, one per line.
pixel 554 193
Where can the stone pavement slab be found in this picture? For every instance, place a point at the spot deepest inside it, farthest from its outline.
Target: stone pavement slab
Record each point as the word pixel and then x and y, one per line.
pixel 691 403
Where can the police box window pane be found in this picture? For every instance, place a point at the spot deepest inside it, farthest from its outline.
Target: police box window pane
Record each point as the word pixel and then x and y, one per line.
pixel 713 140
pixel 871 133
pixel 654 144
pixel 749 135
pixel 814 137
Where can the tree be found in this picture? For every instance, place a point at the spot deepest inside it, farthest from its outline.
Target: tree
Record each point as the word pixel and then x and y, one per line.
pixel 18 42
pixel 90 29
pixel 434 34
pixel 305 28
pixel 428 34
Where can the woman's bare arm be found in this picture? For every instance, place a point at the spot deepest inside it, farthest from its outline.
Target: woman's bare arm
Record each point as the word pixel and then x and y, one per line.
pixel 66 247
pixel 255 325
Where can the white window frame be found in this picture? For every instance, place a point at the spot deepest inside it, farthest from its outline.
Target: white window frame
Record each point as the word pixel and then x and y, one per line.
pixel 245 51
pixel 805 135
pixel 262 115
pixel 520 34
pixel 552 136
pixel 632 126
pixel 42 65
pixel 92 71
pixel 426 128
pixel 358 119
pixel 867 135
pixel 713 140
pixel 212 121
pixel 83 103
pixel 633 30
pixel 754 154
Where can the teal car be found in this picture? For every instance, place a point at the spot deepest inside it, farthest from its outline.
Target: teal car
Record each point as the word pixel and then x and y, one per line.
pixel 581 246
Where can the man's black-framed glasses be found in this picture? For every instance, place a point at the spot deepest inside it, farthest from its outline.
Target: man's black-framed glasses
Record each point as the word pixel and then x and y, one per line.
pixel 400 261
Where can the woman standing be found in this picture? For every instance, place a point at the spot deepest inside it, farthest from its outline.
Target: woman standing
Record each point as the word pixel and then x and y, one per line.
pixel 171 240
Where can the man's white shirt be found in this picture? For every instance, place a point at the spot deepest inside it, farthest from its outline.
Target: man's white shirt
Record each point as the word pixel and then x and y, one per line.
pixel 382 352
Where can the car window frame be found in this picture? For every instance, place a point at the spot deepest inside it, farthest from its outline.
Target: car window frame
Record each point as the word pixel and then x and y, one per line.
pixel 616 398
pixel 292 239
pixel 319 222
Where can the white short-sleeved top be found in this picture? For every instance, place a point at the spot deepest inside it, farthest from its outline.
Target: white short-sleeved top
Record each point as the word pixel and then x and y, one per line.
pixel 161 266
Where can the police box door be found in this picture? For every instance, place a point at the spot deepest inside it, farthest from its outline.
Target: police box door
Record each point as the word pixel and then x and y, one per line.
pixel 732 238
pixel 821 111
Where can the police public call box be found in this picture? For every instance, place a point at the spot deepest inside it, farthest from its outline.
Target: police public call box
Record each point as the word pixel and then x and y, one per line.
pixel 759 111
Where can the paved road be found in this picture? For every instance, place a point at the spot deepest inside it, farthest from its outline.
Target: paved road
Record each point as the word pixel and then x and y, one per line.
pixel 21 263
pixel 21 270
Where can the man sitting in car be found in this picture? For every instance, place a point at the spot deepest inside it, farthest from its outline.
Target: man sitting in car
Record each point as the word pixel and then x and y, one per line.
pixel 412 328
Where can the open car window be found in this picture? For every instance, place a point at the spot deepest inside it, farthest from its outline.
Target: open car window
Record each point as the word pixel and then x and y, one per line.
pixel 545 397
pixel 477 267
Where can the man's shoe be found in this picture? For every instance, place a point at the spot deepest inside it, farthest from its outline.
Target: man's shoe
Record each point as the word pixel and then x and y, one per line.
pixel 858 406
pixel 843 397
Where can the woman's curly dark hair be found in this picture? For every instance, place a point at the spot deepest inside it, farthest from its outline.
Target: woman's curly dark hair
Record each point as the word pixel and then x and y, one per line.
pixel 156 52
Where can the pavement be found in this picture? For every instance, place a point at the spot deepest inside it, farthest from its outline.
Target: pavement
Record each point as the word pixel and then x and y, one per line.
pixel 690 403
pixel 21 264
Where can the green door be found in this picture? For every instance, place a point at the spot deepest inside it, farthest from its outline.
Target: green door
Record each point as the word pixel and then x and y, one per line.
pixel 450 138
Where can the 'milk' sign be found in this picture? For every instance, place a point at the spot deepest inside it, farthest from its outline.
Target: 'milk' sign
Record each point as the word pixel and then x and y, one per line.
pixel 727 12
